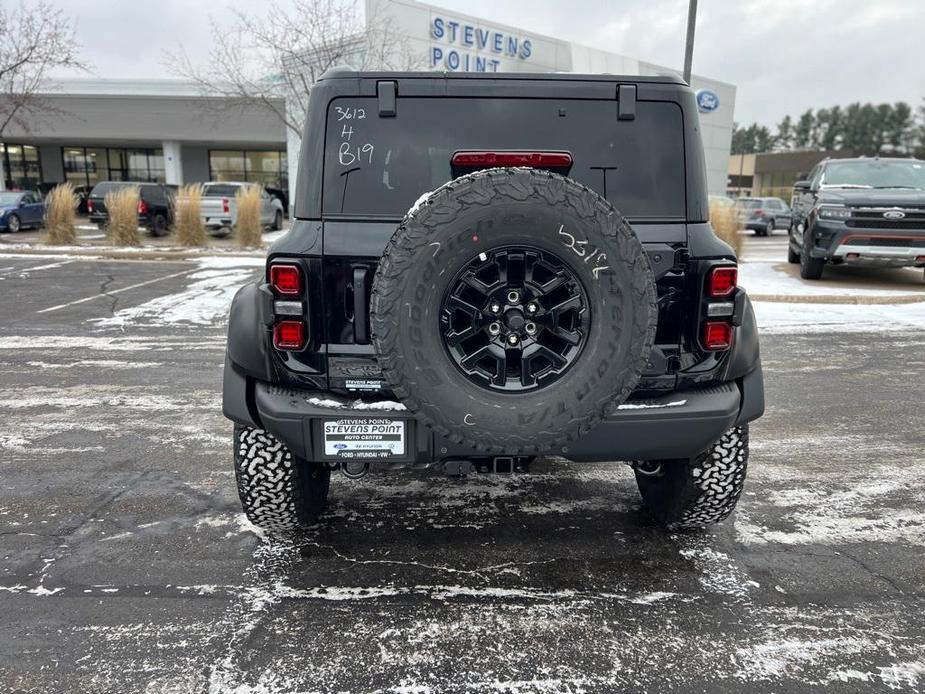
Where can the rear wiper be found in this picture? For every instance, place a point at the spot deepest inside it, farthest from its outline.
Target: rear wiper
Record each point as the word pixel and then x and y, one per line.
pixel 896 188
pixel 845 185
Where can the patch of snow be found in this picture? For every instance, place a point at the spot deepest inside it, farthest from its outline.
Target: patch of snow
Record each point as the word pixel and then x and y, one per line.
pixel 787 318
pixel 420 201
pixel 380 405
pixel 766 279
pixel 650 406
pixel 206 300
pixel 110 344
pixel 96 363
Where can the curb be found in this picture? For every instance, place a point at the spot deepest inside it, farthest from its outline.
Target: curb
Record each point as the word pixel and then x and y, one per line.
pixel 838 299
pixel 138 253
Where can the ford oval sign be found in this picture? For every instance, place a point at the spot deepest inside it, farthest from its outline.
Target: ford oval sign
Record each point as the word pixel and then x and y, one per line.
pixel 707 101
pixel 894 214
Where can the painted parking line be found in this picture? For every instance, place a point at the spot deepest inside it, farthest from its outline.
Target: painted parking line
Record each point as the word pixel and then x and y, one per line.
pixel 117 291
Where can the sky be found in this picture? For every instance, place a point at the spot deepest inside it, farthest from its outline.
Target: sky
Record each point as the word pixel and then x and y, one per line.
pixel 784 56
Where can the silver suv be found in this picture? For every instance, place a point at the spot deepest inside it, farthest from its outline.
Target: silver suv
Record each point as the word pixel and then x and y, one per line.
pixel 763 215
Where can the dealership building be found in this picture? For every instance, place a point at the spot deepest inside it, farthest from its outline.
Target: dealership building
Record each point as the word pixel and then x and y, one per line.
pixel 165 130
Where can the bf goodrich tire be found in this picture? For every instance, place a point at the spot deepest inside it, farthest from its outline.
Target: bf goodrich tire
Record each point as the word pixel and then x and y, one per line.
pixel 278 492
pixel 698 492
pixel 481 261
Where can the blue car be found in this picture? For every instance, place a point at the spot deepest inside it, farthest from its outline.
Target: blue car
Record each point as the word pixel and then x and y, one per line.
pixel 20 210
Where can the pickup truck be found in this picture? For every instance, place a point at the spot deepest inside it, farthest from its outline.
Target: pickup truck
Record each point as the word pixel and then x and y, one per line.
pixel 220 209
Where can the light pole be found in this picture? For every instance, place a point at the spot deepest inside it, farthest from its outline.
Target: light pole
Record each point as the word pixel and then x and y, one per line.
pixel 689 47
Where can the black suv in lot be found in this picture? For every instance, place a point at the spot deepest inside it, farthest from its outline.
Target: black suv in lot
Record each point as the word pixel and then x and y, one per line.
pixel 155 205
pixel 866 211
pixel 483 269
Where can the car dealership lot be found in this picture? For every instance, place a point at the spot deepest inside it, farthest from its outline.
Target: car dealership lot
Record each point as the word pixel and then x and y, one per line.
pixel 127 565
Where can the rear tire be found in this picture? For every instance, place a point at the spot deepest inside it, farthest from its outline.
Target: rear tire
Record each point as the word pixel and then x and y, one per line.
pixel 278 491
pixel 278 221
pixel 159 225
pixel 769 229
pixel 701 491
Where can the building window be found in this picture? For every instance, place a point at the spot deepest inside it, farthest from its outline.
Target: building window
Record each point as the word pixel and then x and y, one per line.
pixel 270 168
pixel 22 168
pixel 87 166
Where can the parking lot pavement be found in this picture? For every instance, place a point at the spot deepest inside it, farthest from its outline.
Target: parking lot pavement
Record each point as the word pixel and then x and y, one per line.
pixel 91 236
pixel 127 566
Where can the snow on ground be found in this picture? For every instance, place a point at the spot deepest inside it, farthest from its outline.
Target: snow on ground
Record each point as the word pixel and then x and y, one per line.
pixel 206 299
pixel 787 317
pixel 766 279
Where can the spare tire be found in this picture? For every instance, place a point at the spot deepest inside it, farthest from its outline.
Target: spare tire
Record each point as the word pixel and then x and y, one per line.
pixel 512 310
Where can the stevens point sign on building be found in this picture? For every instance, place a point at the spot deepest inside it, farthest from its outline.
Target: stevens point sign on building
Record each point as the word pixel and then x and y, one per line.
pixel 461 46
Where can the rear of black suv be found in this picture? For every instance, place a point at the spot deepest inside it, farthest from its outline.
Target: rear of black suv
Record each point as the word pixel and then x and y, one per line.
pixel 483 269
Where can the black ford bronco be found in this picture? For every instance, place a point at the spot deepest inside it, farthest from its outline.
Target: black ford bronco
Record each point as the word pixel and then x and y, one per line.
pixel 487 268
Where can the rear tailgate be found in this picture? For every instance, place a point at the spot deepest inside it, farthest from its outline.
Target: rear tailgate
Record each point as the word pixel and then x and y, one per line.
pixel 218 209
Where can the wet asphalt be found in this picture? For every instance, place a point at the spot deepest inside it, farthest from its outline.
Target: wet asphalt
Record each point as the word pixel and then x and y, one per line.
pixel 127 566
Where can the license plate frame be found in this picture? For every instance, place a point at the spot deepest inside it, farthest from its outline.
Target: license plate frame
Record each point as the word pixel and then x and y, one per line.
pixel 364 439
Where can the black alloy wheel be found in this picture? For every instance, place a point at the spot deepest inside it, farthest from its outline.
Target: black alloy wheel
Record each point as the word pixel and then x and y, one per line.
pixel 515 319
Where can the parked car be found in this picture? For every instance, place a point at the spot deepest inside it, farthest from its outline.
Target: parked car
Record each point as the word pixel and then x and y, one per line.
pixel 477 298
pixel 220 208
pixel 155 205
pixel 83 196
pixel 763 215
pixel 21 210
pixel 282 196
pixel 865 211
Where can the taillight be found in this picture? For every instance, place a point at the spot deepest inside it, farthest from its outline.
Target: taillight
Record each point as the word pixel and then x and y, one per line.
pixel 226 205
pixel 536 160
pixel 142 207
pixel 289 335
pixel 89 206
pixel 286 279
pixel 722 281
pixel 717 336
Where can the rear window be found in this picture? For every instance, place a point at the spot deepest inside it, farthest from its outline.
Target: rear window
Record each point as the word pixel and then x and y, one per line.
pixel 379 166
pixel 749 204
pixel 100 189
pixel 220 190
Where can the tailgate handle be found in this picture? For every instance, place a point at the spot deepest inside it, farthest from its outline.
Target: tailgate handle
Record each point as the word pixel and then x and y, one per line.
pixel 626 102
pixel 386 92
pixel 360 307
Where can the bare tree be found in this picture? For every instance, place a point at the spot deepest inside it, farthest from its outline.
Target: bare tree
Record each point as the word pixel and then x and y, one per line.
pixel 272 59
pixel 36 39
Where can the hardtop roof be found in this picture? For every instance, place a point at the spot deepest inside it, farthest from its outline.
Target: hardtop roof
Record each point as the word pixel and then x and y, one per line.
pixel 347 73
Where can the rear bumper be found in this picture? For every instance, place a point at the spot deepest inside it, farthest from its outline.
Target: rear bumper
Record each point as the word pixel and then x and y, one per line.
pixel 678 425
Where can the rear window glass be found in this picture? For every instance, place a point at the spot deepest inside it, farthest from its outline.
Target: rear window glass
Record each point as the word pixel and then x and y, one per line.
pixel 220 190
pixel 154 194
pixel 100 189
pixel 379 166
pixel 749 204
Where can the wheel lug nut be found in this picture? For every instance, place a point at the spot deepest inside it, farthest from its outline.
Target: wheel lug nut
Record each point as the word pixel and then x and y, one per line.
pixel 530 327
pixel 494 328
pixel 531 308
pixel 513 339
pixel 495 308
pixel 513 297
